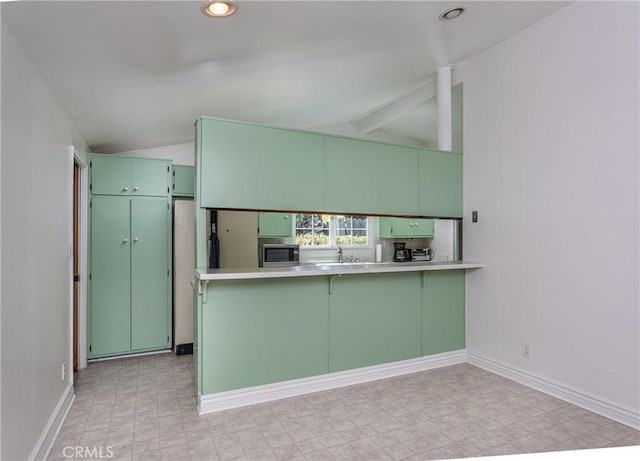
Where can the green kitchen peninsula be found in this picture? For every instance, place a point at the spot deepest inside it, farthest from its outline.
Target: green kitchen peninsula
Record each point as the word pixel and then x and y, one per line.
pixel 269 333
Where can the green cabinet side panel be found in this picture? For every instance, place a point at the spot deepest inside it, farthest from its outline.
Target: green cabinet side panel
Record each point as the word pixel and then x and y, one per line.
pixel 440 184
pixel 386 227
pixel 110 175
pixel 274 225
pixel 374 319
pixel 184 180
pixel 109 319
pixel 443 312
pixel 370 177
pixel 149 273
pixel 249 166
pixel 150 177
pixel 263 331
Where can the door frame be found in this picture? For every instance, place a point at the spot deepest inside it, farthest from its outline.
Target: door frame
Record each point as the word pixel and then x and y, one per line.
pixel 79 158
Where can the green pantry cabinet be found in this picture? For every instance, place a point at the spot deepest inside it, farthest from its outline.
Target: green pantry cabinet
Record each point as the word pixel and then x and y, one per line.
pixel 130 258
pixel 245 166
pixel 263 331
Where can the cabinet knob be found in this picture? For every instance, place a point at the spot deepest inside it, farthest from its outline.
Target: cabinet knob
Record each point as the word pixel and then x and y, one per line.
pixel 286 217
pixel 135 189
pixel 125 240
pixel 125 189
pixel 135 240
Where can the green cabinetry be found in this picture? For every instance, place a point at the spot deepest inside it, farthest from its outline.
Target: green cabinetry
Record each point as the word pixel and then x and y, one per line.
pixel 113 175
pixel 274 225
pixel 406 228
pixel 440 184
pixel 262 331
pixel 129 307
pixel 443 311
pixel 184 180
pixel 374 319
pixel 370 177
pixel 254 167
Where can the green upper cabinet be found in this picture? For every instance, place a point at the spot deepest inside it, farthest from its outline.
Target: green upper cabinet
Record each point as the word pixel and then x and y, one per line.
pixel 274 225
pixel 406 228
pixel 370 177
pixel 374 319
pixel 113 175
pixel 443 316
pixel 440 184
pixel 184 180
pixel 254 167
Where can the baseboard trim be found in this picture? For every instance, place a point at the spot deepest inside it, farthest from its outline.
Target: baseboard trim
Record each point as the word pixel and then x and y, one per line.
pixel 211 403
pixel 51 430
pixel 626 416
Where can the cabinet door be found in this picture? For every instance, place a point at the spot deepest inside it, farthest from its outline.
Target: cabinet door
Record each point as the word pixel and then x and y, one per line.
pixel 402 227
pixel 443 319
pixel 110 175
pixel 440 184
pixel 149 273
pixel 423 228
pixel 262 331
pixel 184 181
pixel 369 177
pixel 150 177
pixel 254 167
pixel 374 319
pixel 109 302
pixel 274 225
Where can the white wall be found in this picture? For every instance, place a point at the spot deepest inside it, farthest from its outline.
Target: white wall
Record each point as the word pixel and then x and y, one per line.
pixel 35 164
pixel 179 154
pixel 551 164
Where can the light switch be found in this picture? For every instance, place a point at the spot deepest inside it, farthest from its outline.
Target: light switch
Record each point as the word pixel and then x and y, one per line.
pixel 474 216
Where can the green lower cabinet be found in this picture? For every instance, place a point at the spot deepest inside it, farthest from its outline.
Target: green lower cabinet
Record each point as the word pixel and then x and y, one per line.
pixel 443 311
pixel 274 225
pixel 262 331
pixel 374 319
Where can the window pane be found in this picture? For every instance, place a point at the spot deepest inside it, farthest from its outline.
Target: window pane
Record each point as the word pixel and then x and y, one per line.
pixel 352 230
pixel 312 229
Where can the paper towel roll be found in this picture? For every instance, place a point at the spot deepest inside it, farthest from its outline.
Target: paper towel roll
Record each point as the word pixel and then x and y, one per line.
pixel 378 253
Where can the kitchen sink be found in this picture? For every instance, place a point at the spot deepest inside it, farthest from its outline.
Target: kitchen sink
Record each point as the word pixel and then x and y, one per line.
pixel 345 265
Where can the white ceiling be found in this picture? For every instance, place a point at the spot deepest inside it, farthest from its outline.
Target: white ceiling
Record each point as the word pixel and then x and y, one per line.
pixel 134 75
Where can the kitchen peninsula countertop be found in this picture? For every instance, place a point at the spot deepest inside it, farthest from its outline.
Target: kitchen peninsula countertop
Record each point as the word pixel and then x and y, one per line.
pixel 309 270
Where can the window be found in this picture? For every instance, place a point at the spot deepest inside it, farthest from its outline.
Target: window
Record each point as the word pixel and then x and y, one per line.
pixel 323 230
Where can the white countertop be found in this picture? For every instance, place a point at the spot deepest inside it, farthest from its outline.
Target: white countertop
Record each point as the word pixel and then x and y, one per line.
pixel 311 270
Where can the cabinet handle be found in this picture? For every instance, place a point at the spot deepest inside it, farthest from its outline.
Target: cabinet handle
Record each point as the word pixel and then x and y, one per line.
pixel 286 216
pixel 125 189
pixel 126 240
pixel 135 240
pixel 136 189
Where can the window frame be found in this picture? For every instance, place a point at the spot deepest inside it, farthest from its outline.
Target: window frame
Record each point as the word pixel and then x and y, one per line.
pixel 333 234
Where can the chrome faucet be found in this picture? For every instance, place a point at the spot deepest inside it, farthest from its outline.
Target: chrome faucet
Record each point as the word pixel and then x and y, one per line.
pixel 340 257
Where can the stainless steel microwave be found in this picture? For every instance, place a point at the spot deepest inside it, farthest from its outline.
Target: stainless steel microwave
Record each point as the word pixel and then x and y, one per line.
pixel 279 254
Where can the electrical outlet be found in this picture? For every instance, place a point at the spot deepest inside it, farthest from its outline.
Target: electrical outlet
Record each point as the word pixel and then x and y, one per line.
pixel 64 371
pixel 526 351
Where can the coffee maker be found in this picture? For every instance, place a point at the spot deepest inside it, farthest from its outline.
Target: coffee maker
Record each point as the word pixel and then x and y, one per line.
pixel 400 252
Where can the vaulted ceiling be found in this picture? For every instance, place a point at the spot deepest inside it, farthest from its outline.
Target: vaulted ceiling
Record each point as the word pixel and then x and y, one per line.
pixel 134 75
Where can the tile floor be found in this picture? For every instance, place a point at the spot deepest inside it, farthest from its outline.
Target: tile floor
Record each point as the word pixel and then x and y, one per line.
pixel 143 408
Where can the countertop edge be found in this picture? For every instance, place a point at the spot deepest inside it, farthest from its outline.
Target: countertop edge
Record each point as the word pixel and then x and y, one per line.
pixel 311 271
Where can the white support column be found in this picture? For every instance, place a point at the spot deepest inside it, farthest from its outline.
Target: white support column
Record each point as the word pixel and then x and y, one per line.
pixel 444 108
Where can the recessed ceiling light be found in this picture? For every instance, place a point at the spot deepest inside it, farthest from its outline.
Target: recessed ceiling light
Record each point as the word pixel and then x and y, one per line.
pixel 219 8
pixel 452 13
